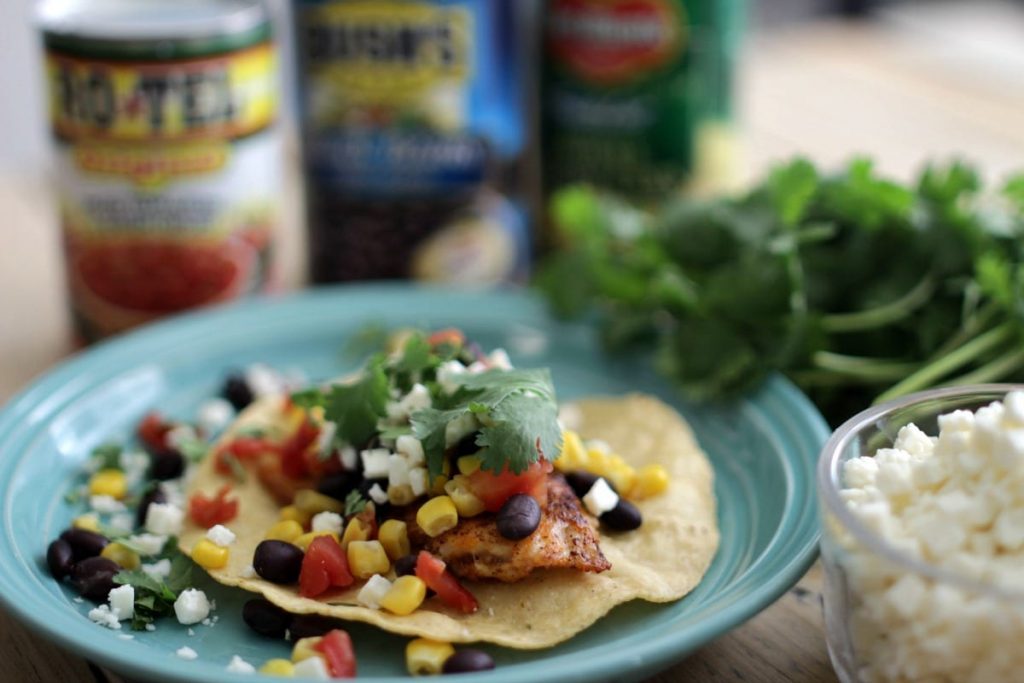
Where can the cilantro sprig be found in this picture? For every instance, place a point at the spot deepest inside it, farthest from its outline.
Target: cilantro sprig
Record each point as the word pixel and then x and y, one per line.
pixel 154 598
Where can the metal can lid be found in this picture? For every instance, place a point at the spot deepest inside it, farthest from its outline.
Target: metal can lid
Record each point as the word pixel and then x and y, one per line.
pixel 149 20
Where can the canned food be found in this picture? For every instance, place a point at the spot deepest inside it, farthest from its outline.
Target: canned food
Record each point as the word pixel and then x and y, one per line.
pixel 168 160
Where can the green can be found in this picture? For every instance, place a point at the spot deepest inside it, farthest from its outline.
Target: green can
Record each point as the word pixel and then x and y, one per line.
pixel 637 95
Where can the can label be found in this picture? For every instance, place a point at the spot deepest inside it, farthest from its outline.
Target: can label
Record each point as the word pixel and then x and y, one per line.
pixel 624 92
pixel 168 171
pixel 411 110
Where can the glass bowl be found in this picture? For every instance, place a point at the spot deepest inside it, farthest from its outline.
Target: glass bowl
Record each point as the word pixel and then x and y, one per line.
pixel 891 616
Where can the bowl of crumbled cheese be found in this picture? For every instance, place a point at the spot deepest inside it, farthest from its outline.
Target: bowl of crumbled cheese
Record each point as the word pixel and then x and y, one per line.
pixel 922 503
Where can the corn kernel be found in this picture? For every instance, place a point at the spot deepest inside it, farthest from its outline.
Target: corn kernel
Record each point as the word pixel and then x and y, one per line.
pixel 468 464
pixel 305 539
pixel 619 473
pixel 394 536
pixel 209 555
pixel 437 516
pixel 437 488
pixel 290 512
pixel 278 667
pixel 406 594
pixel 366 558
pixel 125 557
pixel 401 494
pixel 651 480
pixel 108 482
pixel 305 648
pixel 466 503
pixel 574 455
pixel 89 522
pixel 286 530
pixel 312 502
pixel 357 530
pixel 425 657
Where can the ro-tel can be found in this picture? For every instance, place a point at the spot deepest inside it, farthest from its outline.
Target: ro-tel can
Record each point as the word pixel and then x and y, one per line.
pixel 637 94
pixel 414 132
pixel 168 158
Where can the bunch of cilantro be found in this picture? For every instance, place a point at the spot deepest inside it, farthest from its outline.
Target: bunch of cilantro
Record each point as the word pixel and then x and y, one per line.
pixel 516 410
pixel 857 287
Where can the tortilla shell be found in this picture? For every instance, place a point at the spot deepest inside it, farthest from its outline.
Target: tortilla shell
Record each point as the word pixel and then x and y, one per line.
pixel 661 561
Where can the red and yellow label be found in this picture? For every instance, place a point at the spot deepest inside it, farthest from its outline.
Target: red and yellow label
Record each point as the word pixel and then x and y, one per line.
pixel 611 42
pixel 228 96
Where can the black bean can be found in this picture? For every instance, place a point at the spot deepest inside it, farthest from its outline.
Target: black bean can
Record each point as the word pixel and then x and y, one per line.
pixel 414 133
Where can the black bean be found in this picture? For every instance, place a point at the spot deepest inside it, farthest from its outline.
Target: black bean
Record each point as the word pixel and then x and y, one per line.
pixel 168 464
pixel 266 618
pixel 154 495
pixel 518 517
pixel 236 390
pixel 340 484
pixel 277 561
pixel 60 558
pixel 93 577
pixel 466 661
pixel 84 543
pixel 311 626
pixel 405 565
pixel 623 517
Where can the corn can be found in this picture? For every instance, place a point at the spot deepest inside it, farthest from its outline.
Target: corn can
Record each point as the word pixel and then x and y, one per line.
pixel 168 156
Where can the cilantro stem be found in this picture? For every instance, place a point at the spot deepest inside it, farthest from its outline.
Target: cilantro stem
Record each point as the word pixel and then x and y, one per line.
pixel 880 316
pixel 994 370
pixel 941 367
pixel 975 324
pixel 867 369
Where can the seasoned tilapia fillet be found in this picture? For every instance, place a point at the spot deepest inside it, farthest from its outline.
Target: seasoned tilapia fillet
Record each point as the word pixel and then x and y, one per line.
pixel 565 539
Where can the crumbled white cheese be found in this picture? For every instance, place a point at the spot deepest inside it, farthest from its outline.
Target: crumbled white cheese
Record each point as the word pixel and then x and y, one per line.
pixel 191 607
pixel 499 360
pixel 312 668
pixel 220 535
pixel 126 636
pixel 411 448
pixel 600 498
pixel 191 633
pixel 164 519
pixel 419 480
pixel 398 471
pixel 418 398
pixel 104 616
pixel 135 465
pixel 459 428
pixel 148 544
pixel 327 521
pixel 122 601
pixel 150 627
pixel 237 665
pixel 449 375
pixel 186 652
pixel 181 434
pixel 122 521
pixel 172 492
pixel 477 367
pixel 106 505
pixel 325 438
pixel 349 457
pixel 373 591
pixel 954 501
pixel 375 462
pixel 249 572
pixel 378 495
pixel 214 415
pixel 263 380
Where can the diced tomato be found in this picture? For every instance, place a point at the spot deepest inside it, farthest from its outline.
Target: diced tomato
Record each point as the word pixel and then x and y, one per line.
pixel 368 516
pixel 337 648
pixel 244 449
pixel 433 572
pixel 152 432
pixel 494 489
pixel 207 512
pixel 293 451
pixel 450 335
pixel 324 566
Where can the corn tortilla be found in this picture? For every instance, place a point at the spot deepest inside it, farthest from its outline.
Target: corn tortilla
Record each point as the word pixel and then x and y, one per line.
pixel 660 562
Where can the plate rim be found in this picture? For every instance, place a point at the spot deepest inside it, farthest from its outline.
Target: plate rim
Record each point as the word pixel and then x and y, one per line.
pixel 655 653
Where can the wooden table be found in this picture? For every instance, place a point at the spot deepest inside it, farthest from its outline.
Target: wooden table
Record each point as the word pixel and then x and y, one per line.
pixel 897 90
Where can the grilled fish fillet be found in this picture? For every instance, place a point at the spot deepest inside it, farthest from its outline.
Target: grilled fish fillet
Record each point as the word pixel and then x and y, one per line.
pixel 565 539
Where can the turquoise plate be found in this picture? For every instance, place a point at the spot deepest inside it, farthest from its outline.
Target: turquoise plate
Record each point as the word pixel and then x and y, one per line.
pixel 763 448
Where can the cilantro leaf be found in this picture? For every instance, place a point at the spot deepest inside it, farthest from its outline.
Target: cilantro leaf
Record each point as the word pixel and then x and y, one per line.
pixel 107 456
pixel 308 398
pixel 516 409
pixel 354 503
pixel 357 406
pixel 416 356
pixel 154 597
